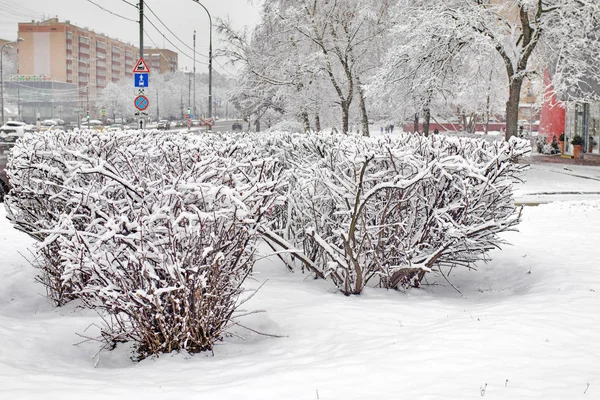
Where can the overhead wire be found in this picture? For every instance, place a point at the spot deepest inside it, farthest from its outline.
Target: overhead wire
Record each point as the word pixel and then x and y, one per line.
pixel 110 12
pixel 186 45
pixel 172 44
pixel 155 45
pixel 171 32
pixel 131 4
pixel 18 10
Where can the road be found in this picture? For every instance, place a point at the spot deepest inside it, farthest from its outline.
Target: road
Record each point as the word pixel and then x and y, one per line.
pixel 220 126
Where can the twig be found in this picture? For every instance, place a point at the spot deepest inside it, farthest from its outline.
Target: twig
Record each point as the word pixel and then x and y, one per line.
pixel 447 280
pixel 259 333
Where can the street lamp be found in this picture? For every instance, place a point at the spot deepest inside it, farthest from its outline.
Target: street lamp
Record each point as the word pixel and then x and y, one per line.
pixel 2 74
pixel 209 60
pixel 87 89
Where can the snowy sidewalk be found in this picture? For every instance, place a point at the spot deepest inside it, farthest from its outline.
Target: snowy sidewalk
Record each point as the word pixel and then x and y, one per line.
pixel 549 182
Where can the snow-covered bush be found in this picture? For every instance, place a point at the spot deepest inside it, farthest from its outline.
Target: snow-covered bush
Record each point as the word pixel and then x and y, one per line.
pixel 350 209
pixel 287 126
pixel 153 230
pixel 395 209
pixel 169 268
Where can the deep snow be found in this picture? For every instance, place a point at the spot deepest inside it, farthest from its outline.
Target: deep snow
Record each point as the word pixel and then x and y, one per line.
pixel 525 326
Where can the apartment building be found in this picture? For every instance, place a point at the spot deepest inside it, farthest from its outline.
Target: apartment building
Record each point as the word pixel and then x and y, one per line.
pixel 161 60
pixel 63 52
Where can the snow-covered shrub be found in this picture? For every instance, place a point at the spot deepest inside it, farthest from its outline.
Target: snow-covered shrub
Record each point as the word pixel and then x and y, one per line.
pixel 154 230
pixel 41 170
pixel 287 126
pixel 169 267
pixel 395 209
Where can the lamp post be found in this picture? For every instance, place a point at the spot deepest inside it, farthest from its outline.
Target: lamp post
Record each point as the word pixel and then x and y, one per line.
pixel 2 74
pixel 209 60
pixel 87 91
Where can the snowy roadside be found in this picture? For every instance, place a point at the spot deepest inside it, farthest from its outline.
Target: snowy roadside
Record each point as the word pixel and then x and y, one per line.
pixel 548 182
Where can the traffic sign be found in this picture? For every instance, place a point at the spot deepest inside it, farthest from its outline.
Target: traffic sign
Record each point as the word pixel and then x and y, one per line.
pixel 207 121
pixel 141 67
pixel 103 112
pixel 141 102
pixel 140 80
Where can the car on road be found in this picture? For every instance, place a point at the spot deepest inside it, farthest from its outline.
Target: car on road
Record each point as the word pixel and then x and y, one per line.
pixel 115 127
pixel 11 131
pixel 237 127
pixel 163 124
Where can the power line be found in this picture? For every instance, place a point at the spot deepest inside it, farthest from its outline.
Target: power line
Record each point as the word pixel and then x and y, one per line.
pixel 155 45
pixel 167 39
pixel 18 10
pixel 132 5
pixel 171 32
pixel 110 12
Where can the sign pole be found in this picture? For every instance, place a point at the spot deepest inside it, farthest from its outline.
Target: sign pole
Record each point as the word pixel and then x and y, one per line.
pixel 141 5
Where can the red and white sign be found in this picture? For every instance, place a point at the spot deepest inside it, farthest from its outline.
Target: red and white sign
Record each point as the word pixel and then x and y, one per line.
pixel 141 103
pixel 141 67
pixel 207 121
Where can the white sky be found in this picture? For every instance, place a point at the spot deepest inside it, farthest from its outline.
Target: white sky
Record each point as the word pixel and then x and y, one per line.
pixel 180 16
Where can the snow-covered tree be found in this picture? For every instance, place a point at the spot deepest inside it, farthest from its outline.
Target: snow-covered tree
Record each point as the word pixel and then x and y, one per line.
pixel 116 99
pixel 515 31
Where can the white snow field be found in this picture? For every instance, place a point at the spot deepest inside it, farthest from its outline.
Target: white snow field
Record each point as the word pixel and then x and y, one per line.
pixel 526 326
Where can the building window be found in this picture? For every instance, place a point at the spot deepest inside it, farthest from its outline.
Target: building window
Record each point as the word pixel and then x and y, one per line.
pixel 84 40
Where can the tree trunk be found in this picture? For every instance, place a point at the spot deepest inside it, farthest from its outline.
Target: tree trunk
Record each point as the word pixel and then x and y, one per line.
pixel 416 123
pixel 426 120
pixel 363 108
pixel 305 121
pixel 345 117
pixel 317 123
pixel 512 108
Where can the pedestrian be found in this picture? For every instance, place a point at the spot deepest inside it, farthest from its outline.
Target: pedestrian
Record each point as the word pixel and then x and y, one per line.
pixel 382 130
pixel 435 131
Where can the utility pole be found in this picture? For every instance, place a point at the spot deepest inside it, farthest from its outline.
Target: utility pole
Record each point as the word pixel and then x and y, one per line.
pixel 87 104
pixel 194 107
pixel 157 115
pixel 141 6
pixel 209 59
pixel 2 75
pixel 189 90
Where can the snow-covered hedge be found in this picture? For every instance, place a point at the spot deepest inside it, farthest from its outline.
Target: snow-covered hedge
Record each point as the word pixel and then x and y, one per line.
pixel 155 229
pixel 394 209
pixel 148 228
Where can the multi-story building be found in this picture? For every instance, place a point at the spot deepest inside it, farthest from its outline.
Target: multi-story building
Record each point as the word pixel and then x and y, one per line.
pixel 161 60
pixel 63 52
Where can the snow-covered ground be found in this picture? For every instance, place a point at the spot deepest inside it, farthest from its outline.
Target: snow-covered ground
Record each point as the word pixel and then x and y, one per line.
pixel 525 326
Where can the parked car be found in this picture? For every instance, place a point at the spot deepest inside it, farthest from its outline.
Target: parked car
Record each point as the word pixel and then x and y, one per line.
pixel 115 127
pixel 237 127
pixel 11 131
pixel 52 122
pixel 3 177
pixel 163 124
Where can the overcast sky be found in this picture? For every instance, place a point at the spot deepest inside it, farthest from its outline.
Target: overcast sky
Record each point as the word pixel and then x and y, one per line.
pixel 180 16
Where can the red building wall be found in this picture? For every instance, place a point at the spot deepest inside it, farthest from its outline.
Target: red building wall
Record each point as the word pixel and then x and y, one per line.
pixel 553 114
